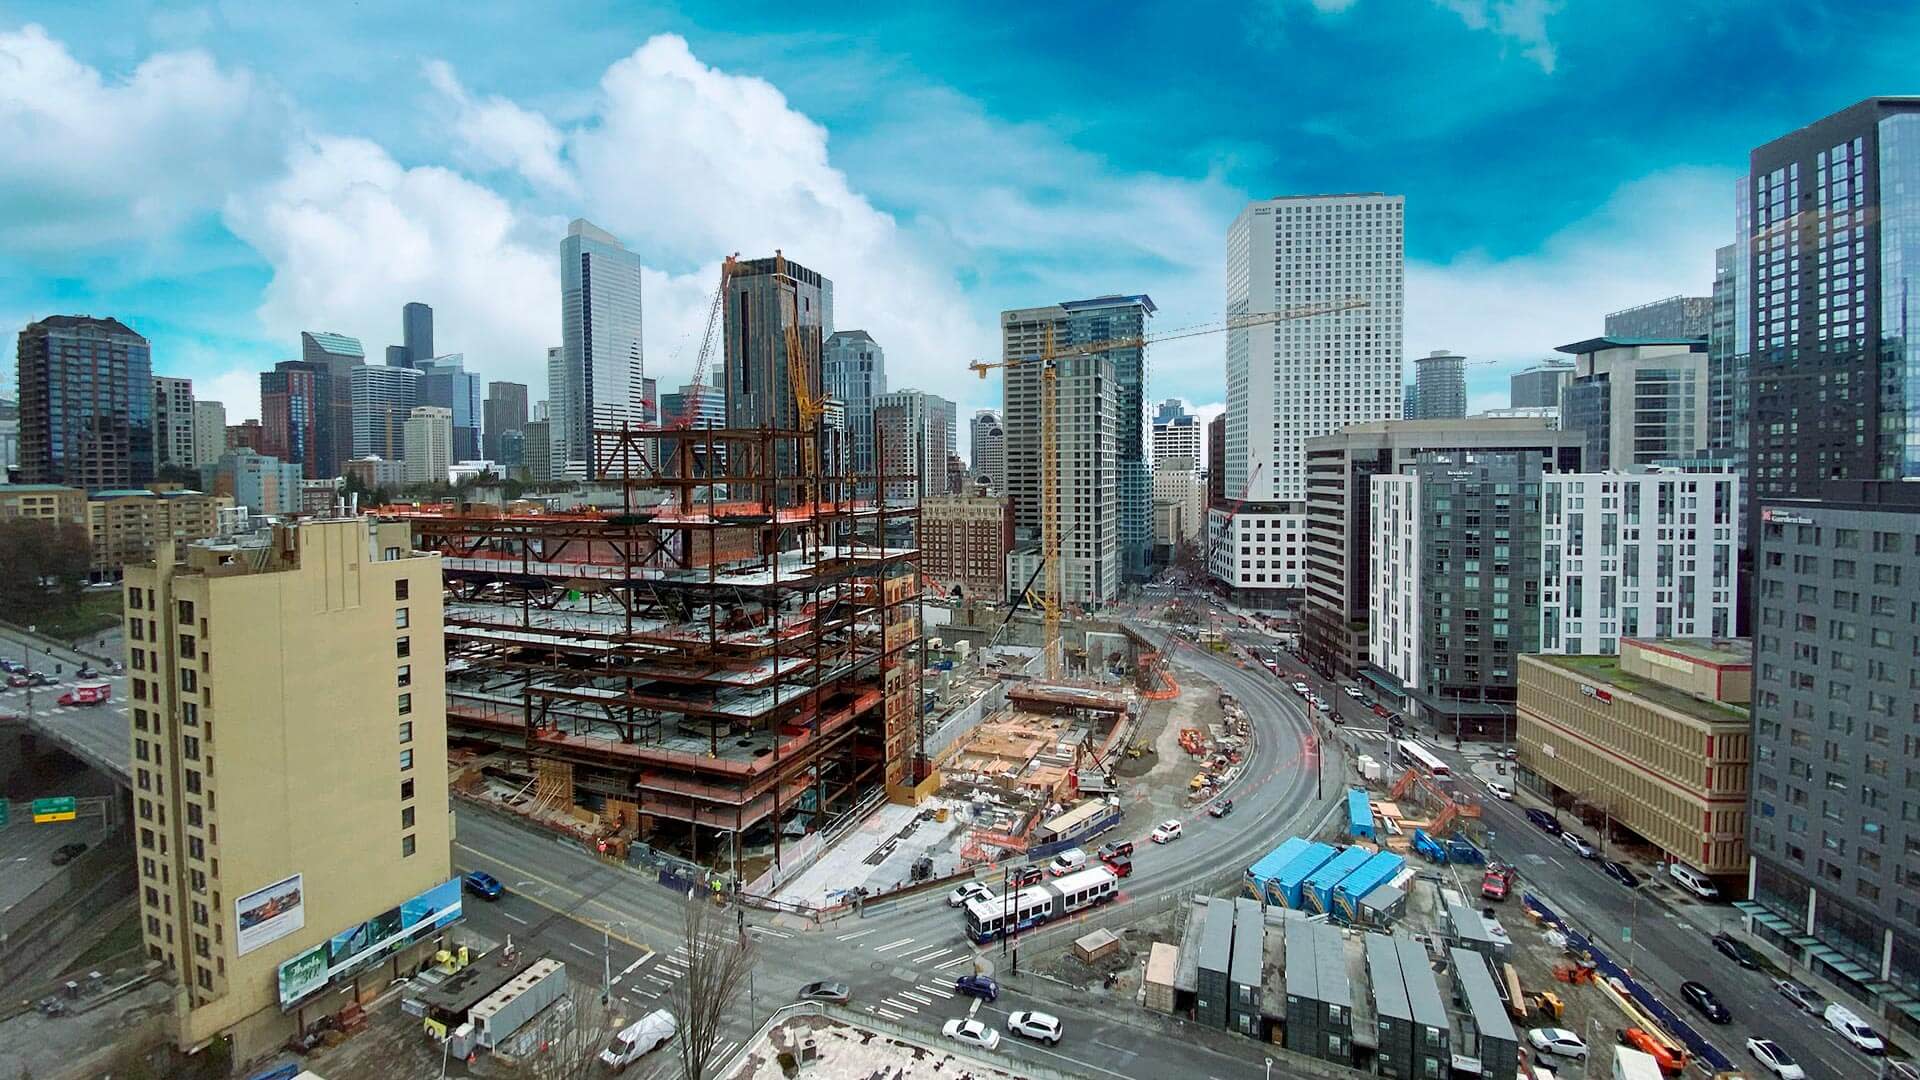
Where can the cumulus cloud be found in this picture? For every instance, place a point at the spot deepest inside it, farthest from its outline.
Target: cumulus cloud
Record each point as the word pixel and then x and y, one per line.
pixel 497 134
pixel 92 159
pixel 352 235
pixel 1523 22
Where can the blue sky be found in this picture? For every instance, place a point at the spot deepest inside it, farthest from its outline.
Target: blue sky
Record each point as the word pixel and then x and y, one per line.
pixel 224 175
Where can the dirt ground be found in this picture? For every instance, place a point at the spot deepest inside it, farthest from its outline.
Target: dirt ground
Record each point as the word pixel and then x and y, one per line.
pixel 1155 784
pixel 1128 962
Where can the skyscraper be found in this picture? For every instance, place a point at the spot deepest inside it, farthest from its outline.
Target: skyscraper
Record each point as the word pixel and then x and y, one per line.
pixel 1291 381
pixel 1675 316
pixel 293 410
pixel 696 408
pixel 556 404
pixel 445 382
pixel 1176 433
pixel 853 368
pixel 338 354
pixel 764 297
pixel 172 422
pixel 988 445
pixel 383 398
pixel 209 432
pixel 1727 396
pixel 1440 386
pixel 1829 221
pixel 429 439
pixel 416 333
pixel 505 411
pixel 86 403
pixel 1217 461
pixel 1641 401
pixel 912 435
pixel 602 362
pixel 1539 386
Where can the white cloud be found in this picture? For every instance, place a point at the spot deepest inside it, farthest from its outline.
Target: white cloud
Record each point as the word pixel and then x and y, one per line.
pixel 91 159
pixel 497 134
pixel 1521 21
pixel 352 235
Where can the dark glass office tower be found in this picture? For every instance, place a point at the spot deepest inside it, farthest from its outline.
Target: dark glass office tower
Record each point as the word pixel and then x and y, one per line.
pixel 86 403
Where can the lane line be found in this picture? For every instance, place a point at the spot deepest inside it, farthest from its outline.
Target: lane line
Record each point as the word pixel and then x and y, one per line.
pixel 889 1014
pixel 581 947
pixel 955 962
pixel 516 918
pixel 924 957
pixel 518 873
pixel 769 933
pixel 934 990
pixel 900 1005
pixel 893 945
pixel 861 934
pixel 921 998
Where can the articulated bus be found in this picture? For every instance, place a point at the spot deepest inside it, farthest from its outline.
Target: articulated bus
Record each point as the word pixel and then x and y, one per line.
pixel 1418 755
pixel 1056 899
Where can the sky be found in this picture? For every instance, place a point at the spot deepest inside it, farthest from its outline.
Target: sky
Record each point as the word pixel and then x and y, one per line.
pixel 223 176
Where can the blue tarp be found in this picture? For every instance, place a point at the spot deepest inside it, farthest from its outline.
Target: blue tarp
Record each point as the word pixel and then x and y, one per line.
pixel 1372 874
pixel 1318 893
pixel 1359 813
pixel 1606 968
pixel 1284 889
pixel 1271 864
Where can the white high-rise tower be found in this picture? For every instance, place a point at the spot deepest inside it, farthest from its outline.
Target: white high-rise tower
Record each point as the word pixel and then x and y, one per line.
pixel 602 370
pixel 1288 382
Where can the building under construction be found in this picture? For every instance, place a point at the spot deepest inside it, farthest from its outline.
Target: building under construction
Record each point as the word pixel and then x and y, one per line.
pixel 723 660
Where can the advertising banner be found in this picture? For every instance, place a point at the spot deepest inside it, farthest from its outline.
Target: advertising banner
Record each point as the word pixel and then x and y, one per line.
pixel 270 914
pixel 365 942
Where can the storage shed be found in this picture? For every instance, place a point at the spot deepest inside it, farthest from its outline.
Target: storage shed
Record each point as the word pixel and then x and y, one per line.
pixel 1163 964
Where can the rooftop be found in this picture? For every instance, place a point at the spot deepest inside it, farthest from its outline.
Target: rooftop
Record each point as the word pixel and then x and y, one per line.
pixel 35 489
pixel 1606 669
pixel 1595 344
pixel 1712 652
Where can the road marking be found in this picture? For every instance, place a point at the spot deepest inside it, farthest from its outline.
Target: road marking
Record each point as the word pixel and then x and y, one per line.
pixel 934 990
pixel 769 933
pixel 924 957
pixel 1121 1050
pixel 921 998
pixel 973 1009
pixel 516 918
pixel 529 875
pixel 658 979
pixel 861 934
pixel 581 947
pixel 889 1014
pixel 901 1005
pixel 628 970
pixel 955 962
pixel 893 944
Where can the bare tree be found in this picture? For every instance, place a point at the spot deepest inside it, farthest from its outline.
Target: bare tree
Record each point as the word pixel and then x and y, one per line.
pixel 570 1037
pixel 719 962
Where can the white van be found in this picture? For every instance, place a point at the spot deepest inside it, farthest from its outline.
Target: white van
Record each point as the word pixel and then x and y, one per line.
pixel 1067 862
pixel 632 1043
pixel 1855 1030
pixel 1693 881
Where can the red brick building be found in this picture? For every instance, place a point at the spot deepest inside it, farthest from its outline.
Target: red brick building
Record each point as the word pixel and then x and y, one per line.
pixel 964 540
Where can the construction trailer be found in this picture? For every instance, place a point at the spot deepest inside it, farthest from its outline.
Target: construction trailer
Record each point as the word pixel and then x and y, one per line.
pixel 1246 999
pixel 721 657
pixel 1285 888
pixel 1319 994
pixel 1486 1032
pixel 1268 866
pixel 1379 870
pixel 1215 964
pixel 1316 895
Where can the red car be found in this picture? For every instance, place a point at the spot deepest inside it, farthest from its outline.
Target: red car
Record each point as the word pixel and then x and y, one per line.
pixel 1382 711
pixel 1121 865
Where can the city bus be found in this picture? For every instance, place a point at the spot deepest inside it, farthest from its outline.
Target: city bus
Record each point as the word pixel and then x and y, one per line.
pixel 1420 757
pixel 1037 904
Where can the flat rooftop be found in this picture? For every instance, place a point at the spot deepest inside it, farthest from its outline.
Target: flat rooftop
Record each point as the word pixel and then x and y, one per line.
pixel 849 1050
pixel 1606 669
pixel 1712 652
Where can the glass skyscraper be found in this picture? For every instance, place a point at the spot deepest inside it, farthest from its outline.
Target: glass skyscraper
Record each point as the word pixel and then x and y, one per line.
pixel 86 403
pixel 601 359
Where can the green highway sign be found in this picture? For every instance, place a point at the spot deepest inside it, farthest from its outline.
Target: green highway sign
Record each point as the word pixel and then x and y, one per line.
pixel 62 808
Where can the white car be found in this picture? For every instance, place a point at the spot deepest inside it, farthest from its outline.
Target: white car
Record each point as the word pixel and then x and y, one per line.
pixel 1166 832
pixel 1035 1025
pixel 1775 1060
pixel 1301 689
pixel 1353 692
pixel 1558 1041
pixel 1500 790
pixel 972 890
pixel 1579 845
pixel 1855 1030
pixel 971 1032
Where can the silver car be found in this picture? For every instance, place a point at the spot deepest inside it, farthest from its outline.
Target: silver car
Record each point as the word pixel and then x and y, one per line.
pixel 834 993
pixel 1044 1027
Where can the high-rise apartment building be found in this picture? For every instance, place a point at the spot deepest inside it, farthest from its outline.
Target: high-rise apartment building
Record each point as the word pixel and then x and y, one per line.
pixel 338 355
pixel 1086 403
pixel 172 422
pixel 964 540
pixel 1340 471
pixel 429 445
pixel 853 368
pixel 1176 433
pixel 1446 629
pixel 1539 386
pixel 602 361
pixel 86 403
pixel 1834 834
pixel 910 438
pixel 308 665
pixel 9 438
pixel 1641 401
pixel 1637 554
pixel 1440 386
pixel 383 397
pixel 987 443
pixel 1727 398
pixel 416 332
pixel 446 383
pixel 1673 317
pixel 259 482
pixel 505 411
pixel 126 527
pixel 1291 381
pixel 296 414
pixel 536 450
pixel 1829 234
pixel 209 432
pixel 246 435
pixel 764 298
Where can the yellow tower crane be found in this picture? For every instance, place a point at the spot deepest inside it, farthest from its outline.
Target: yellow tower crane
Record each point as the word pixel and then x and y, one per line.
pixel 1053 595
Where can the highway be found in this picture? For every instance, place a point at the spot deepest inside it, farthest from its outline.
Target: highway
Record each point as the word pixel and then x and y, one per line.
pixel 100 735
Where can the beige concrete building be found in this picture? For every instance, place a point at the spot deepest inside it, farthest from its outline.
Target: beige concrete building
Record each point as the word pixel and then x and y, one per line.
pixel 964 540
pixel 129 526
pixel 43 502
pixel 429 445
pixel 1176 481
pixel 1657 737
pixel 289 759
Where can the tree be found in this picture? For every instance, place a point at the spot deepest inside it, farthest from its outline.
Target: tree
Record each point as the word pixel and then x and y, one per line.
pixel 719 964
pixel 46 565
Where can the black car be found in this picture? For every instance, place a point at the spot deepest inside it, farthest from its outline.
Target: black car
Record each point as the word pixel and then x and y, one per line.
pixel 1544 821
pixel 1618 871
pixel 1221 808
pixel 1704 1002
pixel 1115 847
pixel 1736 950
pixel 66 853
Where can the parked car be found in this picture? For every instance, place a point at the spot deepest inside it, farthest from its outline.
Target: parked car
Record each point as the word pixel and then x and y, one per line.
pixel 1115 847
pixel 1221 808
pixel 484 885
pixel 1067 862
pixel 971 1032
pixel 1544 822
pixel 1697 995
pixel 1671 1062
pixel 1121 865
pixel 637 1040
pixel 12 667
pixel 1353 692
pixel 1558 1041
pixel 1044 1027
pixel 1736 950
pixel 1301 689
pixel 832 992
pixel 1618 871
pixel 1775 1060
pixel 972 890
pixel 1803 997
pixel 1166 832
pixel 66 853
pixel 1579 845
pixel 1500 791
pixel 980 986
pixel 1693 881
pixel 1380 710
pixel 1855 1030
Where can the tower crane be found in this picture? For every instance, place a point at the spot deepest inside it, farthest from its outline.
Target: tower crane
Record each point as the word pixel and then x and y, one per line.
pixel 1053 595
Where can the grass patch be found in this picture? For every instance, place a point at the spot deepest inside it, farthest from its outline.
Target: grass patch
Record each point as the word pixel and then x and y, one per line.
pixel 95 611
pixel 123 938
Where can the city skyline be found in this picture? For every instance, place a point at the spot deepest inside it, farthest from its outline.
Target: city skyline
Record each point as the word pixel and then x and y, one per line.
pixel 226 282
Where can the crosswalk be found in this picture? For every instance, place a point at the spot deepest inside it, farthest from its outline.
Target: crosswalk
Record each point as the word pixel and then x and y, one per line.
pixel 1374 734
pixel 898 1004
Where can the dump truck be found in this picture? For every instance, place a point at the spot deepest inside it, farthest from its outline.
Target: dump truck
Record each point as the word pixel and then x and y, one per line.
pixel 88 693
pixel 1497 882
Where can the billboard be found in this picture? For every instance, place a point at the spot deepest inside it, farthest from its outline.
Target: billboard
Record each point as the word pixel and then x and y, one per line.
pixel 269 914
pixel 367 941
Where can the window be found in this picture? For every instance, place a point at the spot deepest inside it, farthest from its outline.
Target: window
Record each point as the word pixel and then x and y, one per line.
pixel 189 680
pixel 406 789
pixel 406 817
pixel 406 675
pixel 400 618
pixel 406 760
pixel 406 704
pixel 406 731
pixel 403 648
pixel 400 589
pixel 406 846
pixel 184 609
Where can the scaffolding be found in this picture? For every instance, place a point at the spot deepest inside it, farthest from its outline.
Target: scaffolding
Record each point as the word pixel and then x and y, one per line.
pixel 730 650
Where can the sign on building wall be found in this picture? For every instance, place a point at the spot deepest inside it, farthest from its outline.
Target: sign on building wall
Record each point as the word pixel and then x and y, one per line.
pixel 365 942
pixel 270 914
pixel 1605 697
